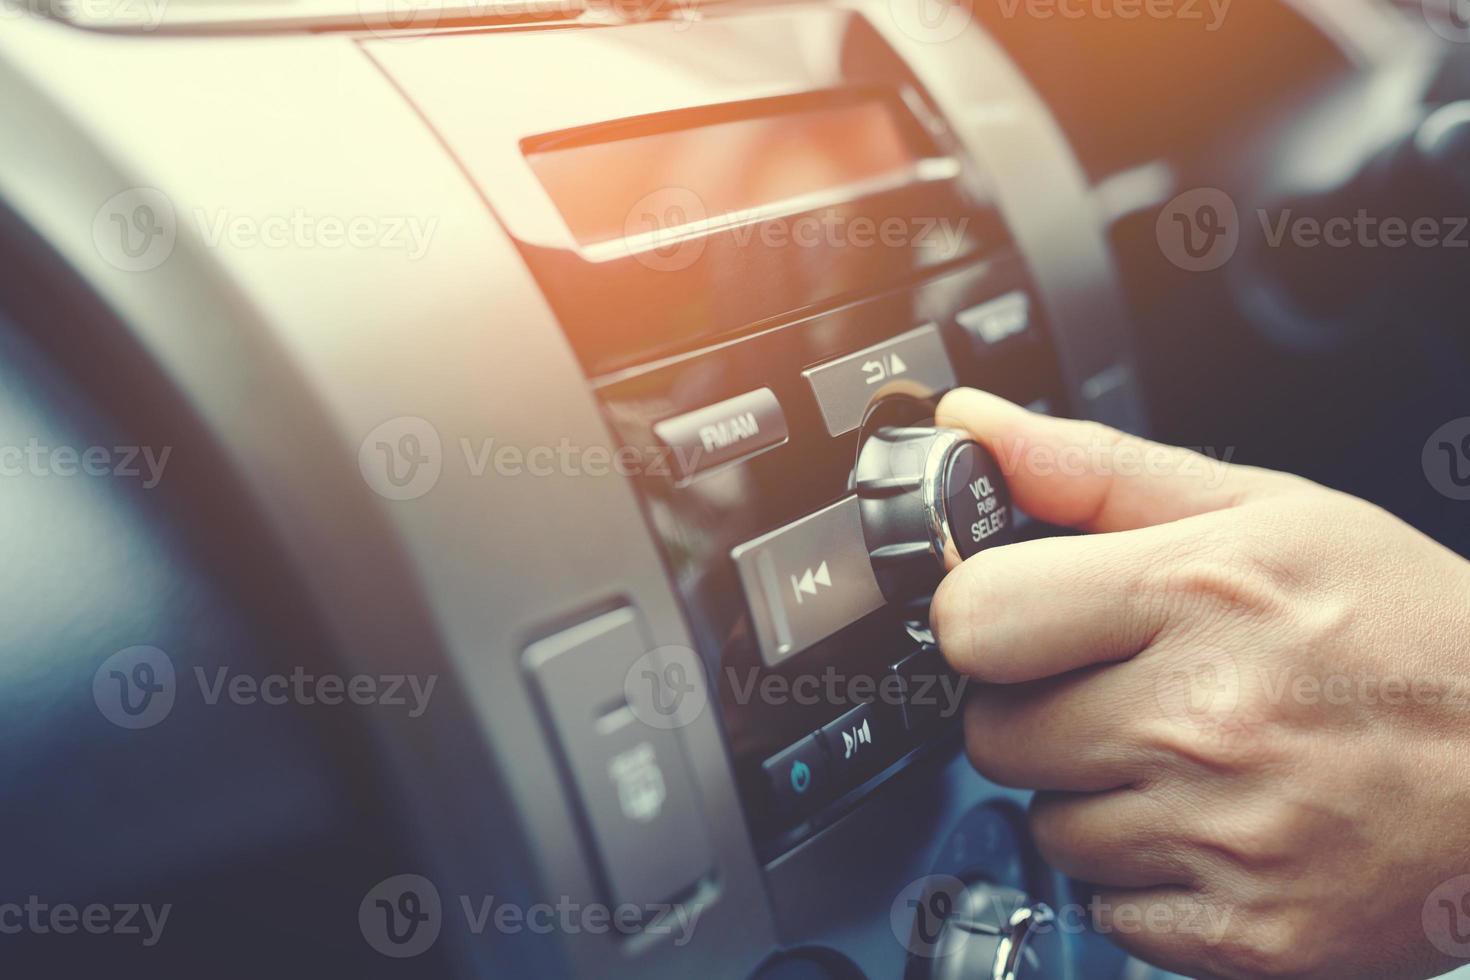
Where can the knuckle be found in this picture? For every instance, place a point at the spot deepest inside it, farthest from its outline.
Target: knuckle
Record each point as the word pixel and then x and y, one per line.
pixel 1261 841
pixel 1218 582
pixel 1216 738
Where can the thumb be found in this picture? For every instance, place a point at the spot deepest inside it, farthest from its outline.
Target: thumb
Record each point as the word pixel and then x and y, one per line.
pixel 1087 476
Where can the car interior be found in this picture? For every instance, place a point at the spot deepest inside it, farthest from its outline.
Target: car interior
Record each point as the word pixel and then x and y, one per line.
pixel 471 485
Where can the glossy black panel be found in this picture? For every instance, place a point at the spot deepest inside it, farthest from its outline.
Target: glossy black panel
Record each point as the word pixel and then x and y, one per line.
pixel 700 522
pixel 638 266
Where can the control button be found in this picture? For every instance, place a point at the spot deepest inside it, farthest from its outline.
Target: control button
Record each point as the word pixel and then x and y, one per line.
pixel 977 501
pixel 723 432
pixel 999 319
pixel 633 781
pixel 860 743
pixel 845 387
pixel 797 777
pixel 932 690
pixel 927 498
pixel 807 580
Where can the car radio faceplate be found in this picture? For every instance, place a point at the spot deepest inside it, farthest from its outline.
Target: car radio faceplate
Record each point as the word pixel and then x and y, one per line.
pixel 815 671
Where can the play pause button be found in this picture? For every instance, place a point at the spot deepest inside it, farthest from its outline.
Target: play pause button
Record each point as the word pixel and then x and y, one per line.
pixel 860 742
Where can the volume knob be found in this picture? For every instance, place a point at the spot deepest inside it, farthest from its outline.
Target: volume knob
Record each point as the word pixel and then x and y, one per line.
pixel 929 498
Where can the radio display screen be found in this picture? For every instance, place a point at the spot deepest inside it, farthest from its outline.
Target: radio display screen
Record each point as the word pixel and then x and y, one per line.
pixel 636 178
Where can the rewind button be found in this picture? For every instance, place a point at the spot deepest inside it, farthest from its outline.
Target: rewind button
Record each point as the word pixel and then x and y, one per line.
pixel 807 584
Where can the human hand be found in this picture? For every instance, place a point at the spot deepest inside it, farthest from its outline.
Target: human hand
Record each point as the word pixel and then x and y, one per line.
pixel 1243 693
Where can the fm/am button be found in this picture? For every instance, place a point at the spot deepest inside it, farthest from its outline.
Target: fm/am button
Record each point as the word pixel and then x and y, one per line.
pixel 808 580
pixel 724 432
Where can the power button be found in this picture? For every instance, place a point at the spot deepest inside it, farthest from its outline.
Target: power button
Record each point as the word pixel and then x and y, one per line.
pixel 797 777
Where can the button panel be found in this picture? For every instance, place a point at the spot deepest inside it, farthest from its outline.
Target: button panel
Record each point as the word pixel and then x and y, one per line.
pixel 932 690
pixel 844 387
pixel 797 778
pixel 994 322
pixel 724 432
pixel 808 580
pixel 633 780
pixel 861 742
